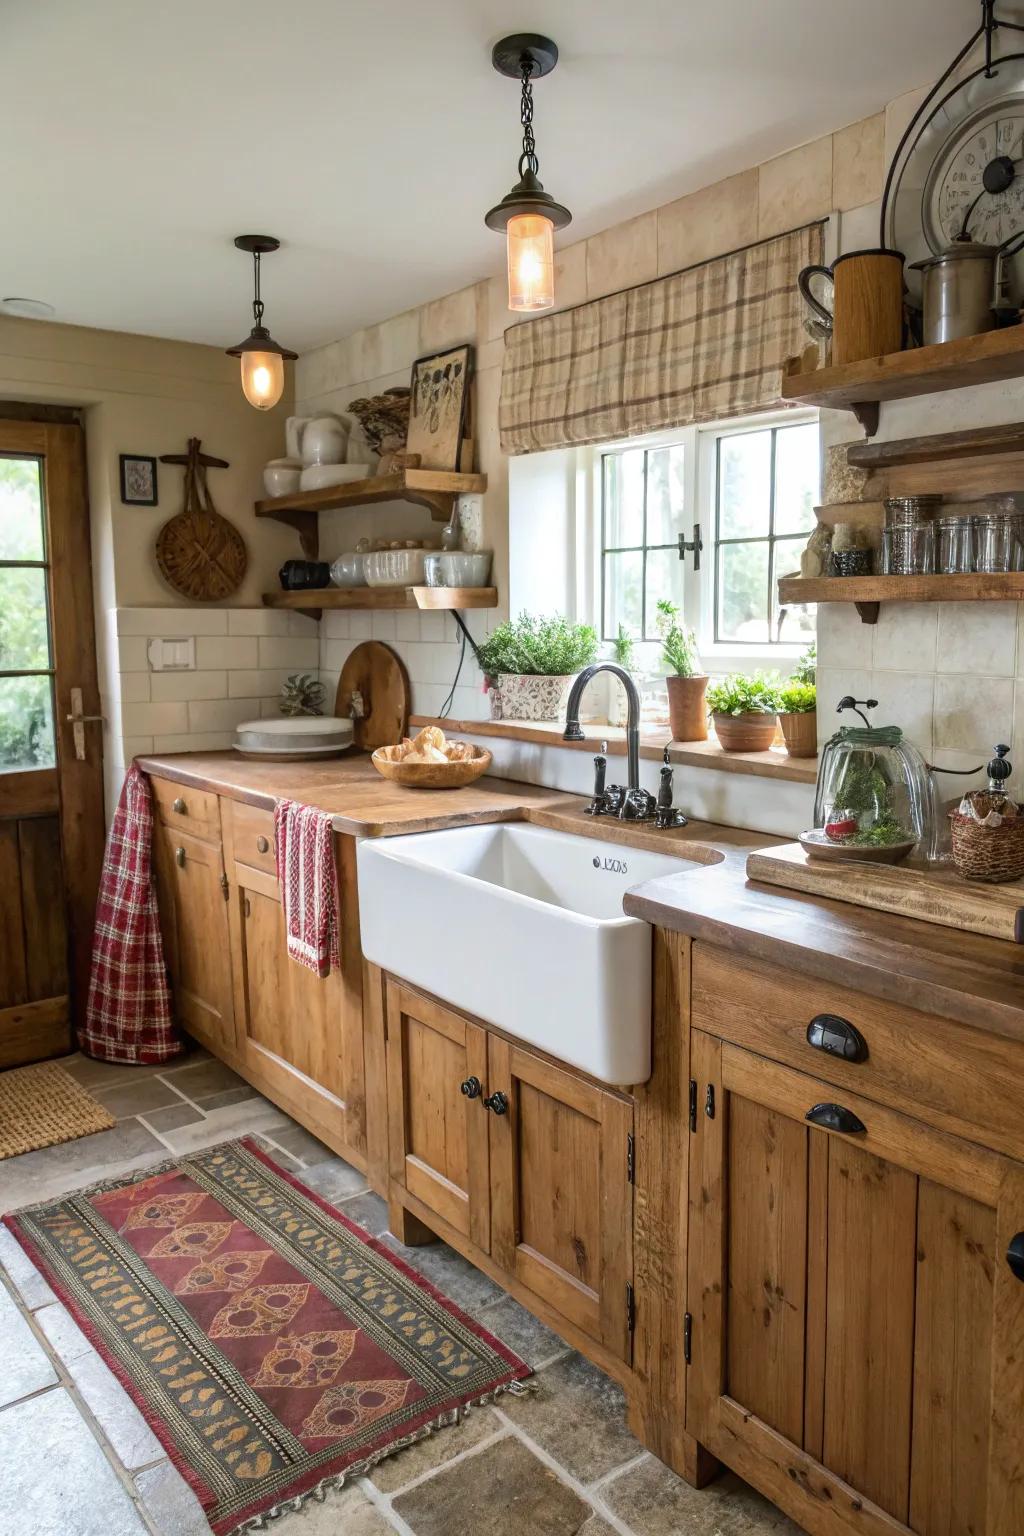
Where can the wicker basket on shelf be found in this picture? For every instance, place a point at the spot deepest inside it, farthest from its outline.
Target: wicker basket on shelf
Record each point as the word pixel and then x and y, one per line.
pixel 994 853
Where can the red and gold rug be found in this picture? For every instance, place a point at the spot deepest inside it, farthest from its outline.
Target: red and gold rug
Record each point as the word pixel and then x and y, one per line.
pixel 273 1346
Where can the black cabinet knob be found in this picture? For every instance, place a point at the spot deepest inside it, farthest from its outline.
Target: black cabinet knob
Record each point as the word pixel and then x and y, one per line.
pixel 1015 1255
pixel 836 1036
pixel 498 1102
pixel 471 1088
pixel 833 1117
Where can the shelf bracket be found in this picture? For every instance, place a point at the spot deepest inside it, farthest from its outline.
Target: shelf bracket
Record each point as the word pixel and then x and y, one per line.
pixel 866 412
pixel 306 525
pixel 868 612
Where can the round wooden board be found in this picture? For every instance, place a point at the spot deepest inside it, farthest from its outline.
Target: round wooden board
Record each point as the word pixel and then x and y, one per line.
pixel 201 555
pixel 378 674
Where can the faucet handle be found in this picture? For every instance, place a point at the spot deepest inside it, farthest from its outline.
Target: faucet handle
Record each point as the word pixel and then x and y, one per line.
pixel 573 731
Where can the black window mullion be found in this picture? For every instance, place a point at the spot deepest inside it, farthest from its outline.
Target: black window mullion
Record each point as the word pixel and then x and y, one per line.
pixel 643 558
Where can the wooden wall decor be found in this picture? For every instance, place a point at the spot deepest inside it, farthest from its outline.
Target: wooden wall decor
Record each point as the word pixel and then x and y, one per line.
pixel 200 554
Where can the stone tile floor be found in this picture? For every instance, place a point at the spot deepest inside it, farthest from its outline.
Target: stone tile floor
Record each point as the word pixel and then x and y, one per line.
pixel 78 1459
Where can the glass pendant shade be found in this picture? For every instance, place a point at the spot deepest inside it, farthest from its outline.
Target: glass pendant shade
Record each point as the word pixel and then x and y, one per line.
pixel 531 262
pixel 262 378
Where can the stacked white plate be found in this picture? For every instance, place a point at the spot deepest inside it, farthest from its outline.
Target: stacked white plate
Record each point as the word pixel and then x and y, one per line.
pixel 296 737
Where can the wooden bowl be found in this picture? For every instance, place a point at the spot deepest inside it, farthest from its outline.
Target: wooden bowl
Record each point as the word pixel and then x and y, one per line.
pixel 432 775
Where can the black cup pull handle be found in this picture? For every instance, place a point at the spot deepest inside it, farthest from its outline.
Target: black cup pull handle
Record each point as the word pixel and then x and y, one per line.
pixel 837 1037
pixel 833 1117
pixel 471 1088
pixel 1015 1255
pixel 497 1102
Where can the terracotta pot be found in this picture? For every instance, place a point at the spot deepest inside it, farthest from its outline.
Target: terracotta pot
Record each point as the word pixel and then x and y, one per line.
pixel 749 732
pixel 687 712
pixel 801 733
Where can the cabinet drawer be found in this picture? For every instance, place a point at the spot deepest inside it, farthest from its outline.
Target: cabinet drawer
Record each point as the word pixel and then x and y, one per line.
pixel 958 1079
pixel 189 810
pixel 252 833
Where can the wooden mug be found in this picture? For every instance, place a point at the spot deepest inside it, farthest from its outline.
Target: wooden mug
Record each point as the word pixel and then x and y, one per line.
pixel 867 318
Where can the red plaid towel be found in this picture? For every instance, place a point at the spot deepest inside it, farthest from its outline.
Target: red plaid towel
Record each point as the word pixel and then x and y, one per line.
pixel 128 1018
pixel 304 842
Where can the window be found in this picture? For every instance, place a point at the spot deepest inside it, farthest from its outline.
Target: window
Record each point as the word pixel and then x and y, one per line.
pixel 26 674
pixel 751 491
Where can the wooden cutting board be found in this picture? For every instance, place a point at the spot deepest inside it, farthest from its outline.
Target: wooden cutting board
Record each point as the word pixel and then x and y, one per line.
pixel 382 683
pixel 933 896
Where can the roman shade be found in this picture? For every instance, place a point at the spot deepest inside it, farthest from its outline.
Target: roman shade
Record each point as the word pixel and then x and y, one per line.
pixel 702 345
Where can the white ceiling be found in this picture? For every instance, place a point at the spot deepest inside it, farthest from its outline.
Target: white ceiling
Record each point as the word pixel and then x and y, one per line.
pixel 371 137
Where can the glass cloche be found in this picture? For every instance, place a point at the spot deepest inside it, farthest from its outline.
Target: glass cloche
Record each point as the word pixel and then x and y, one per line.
pixel 875 797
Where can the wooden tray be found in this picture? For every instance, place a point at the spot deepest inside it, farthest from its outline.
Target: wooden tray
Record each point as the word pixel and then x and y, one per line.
pixel 933 896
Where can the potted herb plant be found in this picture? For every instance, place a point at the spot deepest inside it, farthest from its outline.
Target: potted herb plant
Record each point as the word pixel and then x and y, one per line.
pixel 531 662
pixel 745 710
pixel 798 718
pixel 686 683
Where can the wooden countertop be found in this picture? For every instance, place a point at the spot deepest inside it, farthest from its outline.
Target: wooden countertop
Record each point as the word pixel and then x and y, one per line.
pixel 960 976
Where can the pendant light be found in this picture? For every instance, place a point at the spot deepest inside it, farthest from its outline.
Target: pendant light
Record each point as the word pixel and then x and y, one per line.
pixel 528 215
pixel 262 357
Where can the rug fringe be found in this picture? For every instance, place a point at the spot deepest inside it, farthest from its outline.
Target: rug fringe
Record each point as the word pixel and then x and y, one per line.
pixel 339 1480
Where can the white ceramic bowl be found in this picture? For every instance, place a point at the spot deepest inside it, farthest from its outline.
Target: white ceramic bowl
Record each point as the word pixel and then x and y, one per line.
pixel 394 567
pixel 317 477
pixel 349 571
pixel 281 477
pixel 463 570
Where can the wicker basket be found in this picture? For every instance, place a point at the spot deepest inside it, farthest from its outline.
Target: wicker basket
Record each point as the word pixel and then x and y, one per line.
pixel 994 854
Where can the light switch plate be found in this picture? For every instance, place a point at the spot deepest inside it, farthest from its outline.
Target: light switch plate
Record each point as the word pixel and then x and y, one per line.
pixel 173 654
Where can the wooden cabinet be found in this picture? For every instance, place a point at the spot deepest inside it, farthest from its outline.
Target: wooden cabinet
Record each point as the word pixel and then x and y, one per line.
pixel 857 1346
pixel 192 896
pixel 530 1163
pixel 299 1037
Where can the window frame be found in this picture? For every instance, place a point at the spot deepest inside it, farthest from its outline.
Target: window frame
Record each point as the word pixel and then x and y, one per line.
pixel 701 491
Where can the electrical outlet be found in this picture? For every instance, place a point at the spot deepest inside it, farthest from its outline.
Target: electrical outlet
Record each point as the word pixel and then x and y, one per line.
pixel 174 654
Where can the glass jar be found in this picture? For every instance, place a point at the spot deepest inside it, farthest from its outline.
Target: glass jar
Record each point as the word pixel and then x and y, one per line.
pixel 996 542
pixel 954 546
pixel 909 549
pixel 874 790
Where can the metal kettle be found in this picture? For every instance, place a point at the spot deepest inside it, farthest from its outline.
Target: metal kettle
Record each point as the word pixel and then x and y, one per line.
pixel 960 286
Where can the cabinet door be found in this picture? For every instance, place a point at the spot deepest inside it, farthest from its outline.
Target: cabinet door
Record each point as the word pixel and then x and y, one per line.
pixel 194 915
pixel 437 1133
pixel 299 1034
pixel 561 1197
pixel 858 1336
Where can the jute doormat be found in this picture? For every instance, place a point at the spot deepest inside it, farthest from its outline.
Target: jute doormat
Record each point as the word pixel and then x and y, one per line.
pixel 42 1105
pixel 274 1347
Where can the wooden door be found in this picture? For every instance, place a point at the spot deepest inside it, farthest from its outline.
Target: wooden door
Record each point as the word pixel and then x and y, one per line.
pixel 300 1036
pixel 857 1336
pixel 561 1192
pixel 51 770
pixel 192 892
pixel 437 1133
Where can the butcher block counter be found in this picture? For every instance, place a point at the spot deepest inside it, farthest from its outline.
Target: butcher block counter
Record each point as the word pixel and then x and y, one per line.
pixel 799 1246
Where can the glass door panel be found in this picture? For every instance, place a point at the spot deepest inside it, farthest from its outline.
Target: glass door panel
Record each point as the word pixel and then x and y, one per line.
pixel 26 657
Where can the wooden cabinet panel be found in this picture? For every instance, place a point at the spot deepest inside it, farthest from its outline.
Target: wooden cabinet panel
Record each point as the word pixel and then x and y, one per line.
pixel 196 811
pixel 960 1079
pixel 438 1148
pixel 191 892
pixel 562 1207
pixel 252 835
pixel 849 1355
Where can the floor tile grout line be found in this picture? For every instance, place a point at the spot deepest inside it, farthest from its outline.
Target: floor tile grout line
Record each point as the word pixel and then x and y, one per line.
pixel 580 1489
pixel 382 1503
pixel 27 1397
pixel 619 1471
pixel 66 1382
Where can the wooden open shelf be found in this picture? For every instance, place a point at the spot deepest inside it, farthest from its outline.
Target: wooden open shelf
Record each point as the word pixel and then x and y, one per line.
pixel 975 442
pixel 868 591
pixel 367 599
pixel 860 387
pixel 434 489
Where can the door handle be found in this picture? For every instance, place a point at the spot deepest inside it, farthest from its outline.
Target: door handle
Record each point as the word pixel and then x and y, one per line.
pixel 179 857
pixel 833 1117
pixel 471 1088
pixel 78 723
pixel 497 1102
pixel 1015 1255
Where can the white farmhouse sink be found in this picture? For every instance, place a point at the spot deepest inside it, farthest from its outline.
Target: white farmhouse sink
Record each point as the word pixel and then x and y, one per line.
pixel 523 927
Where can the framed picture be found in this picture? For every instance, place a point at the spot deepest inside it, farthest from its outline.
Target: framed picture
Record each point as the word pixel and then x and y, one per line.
pixel 138 480
pixel 438 405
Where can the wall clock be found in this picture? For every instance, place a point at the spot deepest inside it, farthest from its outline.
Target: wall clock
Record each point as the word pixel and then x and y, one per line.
pixel 960 163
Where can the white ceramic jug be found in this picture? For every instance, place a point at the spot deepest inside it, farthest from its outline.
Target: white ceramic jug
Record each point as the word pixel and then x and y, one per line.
pixel 317 439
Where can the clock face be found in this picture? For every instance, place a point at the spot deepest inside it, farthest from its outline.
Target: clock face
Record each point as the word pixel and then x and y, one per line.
pixel 955 181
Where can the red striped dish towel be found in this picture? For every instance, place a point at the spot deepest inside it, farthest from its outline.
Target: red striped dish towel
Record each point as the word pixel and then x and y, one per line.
pixel 304 842
pixel 128 1015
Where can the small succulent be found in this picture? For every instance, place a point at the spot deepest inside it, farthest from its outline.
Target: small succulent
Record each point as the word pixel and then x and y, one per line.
pixel 302 694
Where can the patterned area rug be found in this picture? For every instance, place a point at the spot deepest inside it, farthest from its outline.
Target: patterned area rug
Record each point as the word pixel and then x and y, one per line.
pixel 273 1346
pixel 42 1105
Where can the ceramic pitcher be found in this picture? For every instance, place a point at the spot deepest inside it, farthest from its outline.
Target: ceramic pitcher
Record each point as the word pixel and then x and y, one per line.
pixel 317 439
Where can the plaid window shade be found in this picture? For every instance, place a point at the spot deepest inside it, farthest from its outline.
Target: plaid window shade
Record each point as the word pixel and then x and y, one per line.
pixel 702 345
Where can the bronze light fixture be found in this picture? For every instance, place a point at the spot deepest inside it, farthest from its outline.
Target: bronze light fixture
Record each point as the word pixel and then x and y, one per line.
pixel 262 357
pixel 528 215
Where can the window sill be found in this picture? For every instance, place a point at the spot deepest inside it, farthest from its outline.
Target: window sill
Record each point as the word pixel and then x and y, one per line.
pixel 773 764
